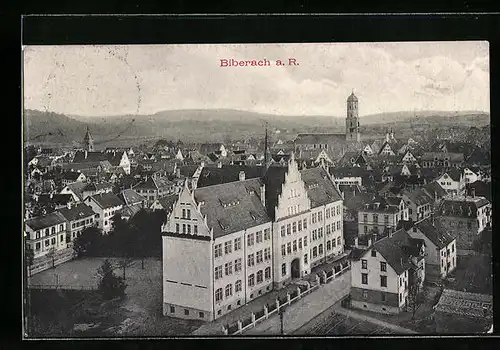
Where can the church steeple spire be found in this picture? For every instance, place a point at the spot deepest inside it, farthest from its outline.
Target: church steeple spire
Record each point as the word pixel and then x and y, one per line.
pixel 88 142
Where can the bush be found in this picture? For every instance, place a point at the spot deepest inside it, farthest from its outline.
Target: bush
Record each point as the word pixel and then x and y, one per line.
pixel 110 285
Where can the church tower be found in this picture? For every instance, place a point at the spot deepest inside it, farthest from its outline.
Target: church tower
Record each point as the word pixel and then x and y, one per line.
pixel 88 142
pixel 352 119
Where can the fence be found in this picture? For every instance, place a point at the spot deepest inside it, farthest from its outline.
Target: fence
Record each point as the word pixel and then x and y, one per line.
pixel 61 286
pixel 241 326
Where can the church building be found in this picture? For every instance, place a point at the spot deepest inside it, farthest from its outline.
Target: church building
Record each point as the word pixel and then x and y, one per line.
pixel 336 144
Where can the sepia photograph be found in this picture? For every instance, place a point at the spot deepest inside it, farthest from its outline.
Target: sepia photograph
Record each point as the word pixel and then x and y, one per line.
pixel 220 190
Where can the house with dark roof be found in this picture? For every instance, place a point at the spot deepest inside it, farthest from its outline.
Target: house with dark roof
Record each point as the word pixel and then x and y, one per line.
pixel 480 189
pixel 442 159
pixel 420 204
pixel 75 189
pixel 382 274
pixel 105 205
pixel 459 312
pixel 154 187
pixel 452 181
pixel 96 188
pixel 78 217
pixel 46 235
pixel 131 197
pixel 72 176
pixel 54 200
pixel 441 258
pixel 165 203
pixel 381 215
pixel 228 173
pixel 465 218
pixel 129 211
pixel 116 159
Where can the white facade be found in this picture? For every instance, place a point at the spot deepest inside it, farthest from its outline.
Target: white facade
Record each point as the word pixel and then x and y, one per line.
pixel 349 180
pixel 103 215
pixel 451 186
pixel 470 176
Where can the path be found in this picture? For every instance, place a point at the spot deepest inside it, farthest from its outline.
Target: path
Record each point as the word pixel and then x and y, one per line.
pixel 305 309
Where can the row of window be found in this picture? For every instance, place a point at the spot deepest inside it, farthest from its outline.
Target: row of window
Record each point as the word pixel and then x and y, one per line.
pixel 364 265
pixel 228 268
pixel 186 228
pixel 293 227
pixel 260 256
pixel 186 214
pixel 46 232
pixel 228 247
pixel 49 242
pixel 287 249
pixel 253 279
pixel 329 246
pixel 82 223
pixel 110 213
pixel 375 218
pixel 383 279
pixel 186 312
pixel 259 237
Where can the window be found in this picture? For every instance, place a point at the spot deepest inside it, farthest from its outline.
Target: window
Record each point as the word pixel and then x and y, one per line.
pixel 295 245
pixel 218 295
pixel 259 256
pixel 288 229
pixel 283 269
pixel 283 250
pixel 374 253
pixel 183 213
pixel 386 219
pixel 294 227
pixel 46 232
pixel 365 294
pixel 375 218
pixel 218 250
pixel 229 290
pixel 320 216
pixel 189 229
pixel 237 286
pixel 282 230
pixel 328 229
pixel 328 245
pixel 366 229
pixel 251 261
pixel 327 213
pixel 61 227
pixel 47 242
pixel 251 280
pixel 258 237
pixel 53 241
pixel 300 225
pixel 365 217
pixel 202 315
pixel 237 244
pixel 320 249
pixel 172 310
pixel 383 266
pixel 304 222
pixel 195 227
pixel 186 312
pixel 267 234
pixel 305 241
pixel 320 232
pixel 267 273
pixel 400 297
pixel 267 254
pixel 383 281
pixel 382 295
pixel 289 248
pixel 184 228
pixel 37 246
pixel 305 258
pixel 315 252
pixel 228 247
pixel 52 230
pixel 452 248
pixel 228 267
pixel 237 265
pixel 339 240
pixel 250 239
pixel 313 218
pixel 218 272
pixel 260 277
pixel 300 243
pixel 364 264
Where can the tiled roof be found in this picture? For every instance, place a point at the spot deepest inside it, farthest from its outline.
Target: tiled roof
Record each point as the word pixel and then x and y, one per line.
pixel 77 188
pixel 77 211
pixel 91 157
pixel 97 186
pixel 455 174
pixel 71 175
pixel 188 170
pixel 395 250
pixel 481 188
pixel 418 196
pixel 462 207
pixel 434 189
pixel 465 304
pixel 232 207
pixel 154 183
pixel 320 189
pixel 227 173
pixel 309 139
pixel 437 234
pixel 130 197
pixel 59 199
pixel 441 156
pixel 107 200
pixel 45 221
pixel 357 202
pixel 167 202
pixel 130 210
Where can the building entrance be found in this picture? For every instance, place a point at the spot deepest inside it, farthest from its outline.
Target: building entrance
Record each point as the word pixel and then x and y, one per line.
pixel 295 268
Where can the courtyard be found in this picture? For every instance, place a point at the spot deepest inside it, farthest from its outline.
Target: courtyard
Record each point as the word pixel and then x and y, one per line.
pixel 82 313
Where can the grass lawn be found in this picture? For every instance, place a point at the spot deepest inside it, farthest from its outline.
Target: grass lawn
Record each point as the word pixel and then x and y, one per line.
pixel 138 314
pixel 473 274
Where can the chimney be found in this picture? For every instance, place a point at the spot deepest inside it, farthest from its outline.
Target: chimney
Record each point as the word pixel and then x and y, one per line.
pixel 86 153
pixel 375 236
pixel 241 176
pixel 51 195
pixel 69 205
pixel 219 165
pixel 369 242
pixel 355 242
pixel 263 194
pixel 178 172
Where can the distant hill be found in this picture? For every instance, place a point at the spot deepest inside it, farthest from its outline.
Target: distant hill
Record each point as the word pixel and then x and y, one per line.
pixel 215 124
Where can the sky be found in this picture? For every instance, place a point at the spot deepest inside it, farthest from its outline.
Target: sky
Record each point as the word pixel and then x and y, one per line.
pixel 145 79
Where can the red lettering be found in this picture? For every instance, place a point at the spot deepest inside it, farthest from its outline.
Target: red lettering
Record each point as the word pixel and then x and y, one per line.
pixel 223 63
pixel 292 60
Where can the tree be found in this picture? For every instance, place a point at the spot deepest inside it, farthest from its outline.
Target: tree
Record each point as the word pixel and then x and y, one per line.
pixel 110 285
pixel 29 257
pixel 415 297
pixel 88 241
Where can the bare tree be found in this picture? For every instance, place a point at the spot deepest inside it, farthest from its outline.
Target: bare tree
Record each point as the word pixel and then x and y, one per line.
pixel 415 296
pixel 52 256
